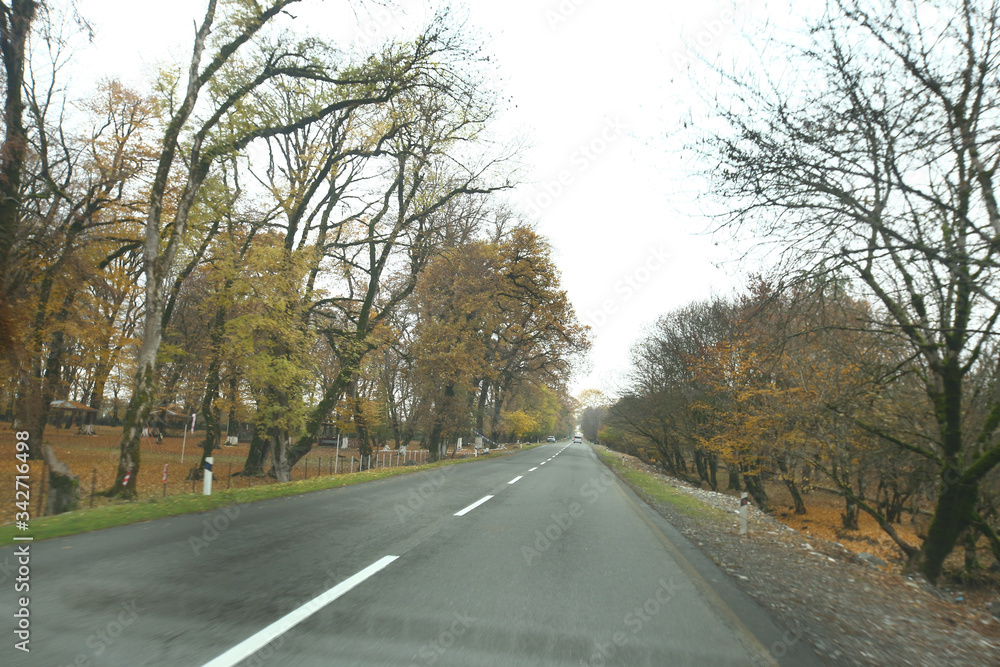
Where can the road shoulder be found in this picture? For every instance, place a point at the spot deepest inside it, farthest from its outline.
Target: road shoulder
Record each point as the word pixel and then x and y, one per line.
pixel 849 613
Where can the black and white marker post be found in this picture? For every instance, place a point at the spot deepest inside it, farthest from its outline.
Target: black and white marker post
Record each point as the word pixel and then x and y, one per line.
pixel 744 503
pixel 207 487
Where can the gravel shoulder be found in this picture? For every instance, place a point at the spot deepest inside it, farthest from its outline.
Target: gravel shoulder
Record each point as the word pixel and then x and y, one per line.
pixel 852 612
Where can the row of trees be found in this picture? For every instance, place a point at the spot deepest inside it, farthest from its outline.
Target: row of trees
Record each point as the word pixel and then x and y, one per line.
pixel 282 232
pixel 863 150
pixel 804 386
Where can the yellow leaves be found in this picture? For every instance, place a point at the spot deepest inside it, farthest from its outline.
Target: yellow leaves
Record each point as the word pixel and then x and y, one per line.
pixel 518 423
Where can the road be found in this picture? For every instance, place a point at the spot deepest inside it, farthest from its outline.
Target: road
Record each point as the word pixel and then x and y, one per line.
pixel 538 558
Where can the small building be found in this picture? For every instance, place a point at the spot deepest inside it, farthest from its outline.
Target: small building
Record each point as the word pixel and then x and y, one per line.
pixel 71 413
pixel 169 417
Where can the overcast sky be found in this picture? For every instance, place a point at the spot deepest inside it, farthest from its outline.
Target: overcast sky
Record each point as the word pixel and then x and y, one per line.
pixel 598 88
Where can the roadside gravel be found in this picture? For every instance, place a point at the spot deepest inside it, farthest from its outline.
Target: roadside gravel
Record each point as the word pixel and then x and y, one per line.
pixel 850 611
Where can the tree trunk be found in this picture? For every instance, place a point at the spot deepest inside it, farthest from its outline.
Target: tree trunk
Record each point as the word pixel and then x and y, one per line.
pixel 13 37
pixel 137 414
pixel 361 426
pixel 793 489
pixel 971 537
pixel 64 486
pixel 257 456
pixel 279 455
pixel 213 430
pixel 849 519
pixel 734 478
pixel 231 417
pixel 29 412
pixel 434 446
pixel 955 505
pixel 101 374
pixel 700 465
pixel 679 461
pixel 39 389
pixel 756 490
pixel 484 390
pixel 348 369
pixel 497 410
pixel 667 457
pixel 890 500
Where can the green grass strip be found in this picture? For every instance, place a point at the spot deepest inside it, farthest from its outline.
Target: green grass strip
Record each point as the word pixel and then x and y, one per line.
pixel 648 486
pixel 148 509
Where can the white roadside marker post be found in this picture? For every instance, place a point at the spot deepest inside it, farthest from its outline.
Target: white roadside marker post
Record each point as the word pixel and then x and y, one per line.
pixel 744 502
pixel 206 489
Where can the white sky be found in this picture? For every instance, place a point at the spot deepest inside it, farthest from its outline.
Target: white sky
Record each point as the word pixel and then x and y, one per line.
pixel 596 86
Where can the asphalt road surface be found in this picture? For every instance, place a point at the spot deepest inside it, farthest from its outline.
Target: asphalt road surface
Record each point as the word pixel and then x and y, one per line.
pixel 539 558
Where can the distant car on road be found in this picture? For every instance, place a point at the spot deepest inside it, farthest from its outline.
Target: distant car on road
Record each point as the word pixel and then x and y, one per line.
pixel 552 438
pixel 577 438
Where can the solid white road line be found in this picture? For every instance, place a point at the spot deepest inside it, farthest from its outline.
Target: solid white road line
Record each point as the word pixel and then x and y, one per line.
pixel 472 506
pixel 515 479
pixel 533 469
pixel 258 641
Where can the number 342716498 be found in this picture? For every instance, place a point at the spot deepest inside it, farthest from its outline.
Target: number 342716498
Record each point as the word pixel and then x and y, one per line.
pixel 22 494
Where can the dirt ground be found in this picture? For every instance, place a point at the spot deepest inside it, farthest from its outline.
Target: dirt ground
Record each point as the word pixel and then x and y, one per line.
pixel 851 611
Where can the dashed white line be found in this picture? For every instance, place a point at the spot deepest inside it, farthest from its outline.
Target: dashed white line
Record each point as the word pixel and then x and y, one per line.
pixel 533 469
pixel 543 463
pixel 473 506
pixel 256 642
pixel 515 479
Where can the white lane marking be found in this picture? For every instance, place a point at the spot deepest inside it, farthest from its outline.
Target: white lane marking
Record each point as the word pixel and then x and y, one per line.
pixel 543 463
pixel 258 641
pixel 533 469
pixel 515 479
pixel 472 506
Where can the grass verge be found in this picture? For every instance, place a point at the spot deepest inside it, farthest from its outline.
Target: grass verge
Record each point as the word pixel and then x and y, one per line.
pixel 126 512
pixel 652 489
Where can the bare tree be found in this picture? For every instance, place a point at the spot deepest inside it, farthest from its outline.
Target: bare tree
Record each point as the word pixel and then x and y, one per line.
pixel 874 155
